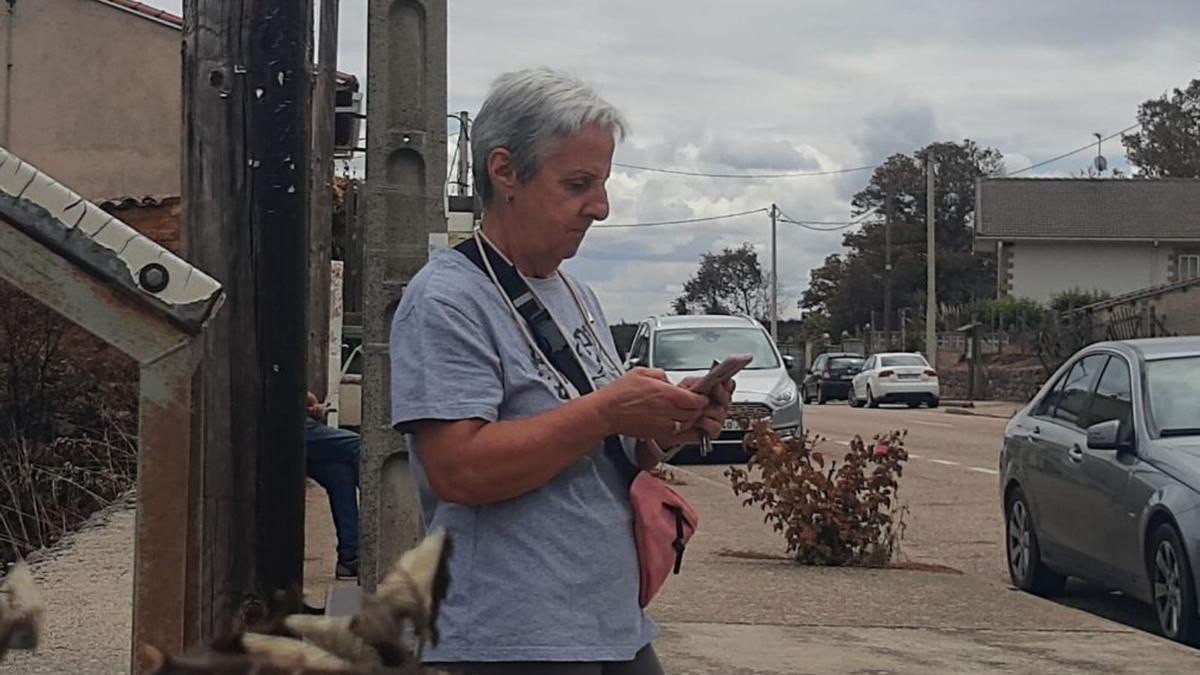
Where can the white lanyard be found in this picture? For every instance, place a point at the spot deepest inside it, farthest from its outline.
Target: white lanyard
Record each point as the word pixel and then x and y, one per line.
pixel 572 392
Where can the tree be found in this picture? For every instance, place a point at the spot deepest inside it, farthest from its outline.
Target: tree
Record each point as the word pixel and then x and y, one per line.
pixel 847 287
pixel 1167 145
pixel 728 282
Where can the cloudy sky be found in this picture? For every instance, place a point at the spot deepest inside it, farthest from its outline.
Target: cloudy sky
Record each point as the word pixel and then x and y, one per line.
pixel 768 86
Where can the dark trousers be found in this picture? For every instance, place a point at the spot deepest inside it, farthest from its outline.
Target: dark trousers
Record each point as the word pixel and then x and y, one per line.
pixel 645 663
pixel 333 463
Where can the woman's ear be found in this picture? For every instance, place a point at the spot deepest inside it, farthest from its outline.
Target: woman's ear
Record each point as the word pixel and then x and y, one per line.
pixel 503 171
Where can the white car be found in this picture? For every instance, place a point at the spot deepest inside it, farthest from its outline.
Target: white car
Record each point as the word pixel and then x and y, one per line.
pixel 895 378
pixel 687 346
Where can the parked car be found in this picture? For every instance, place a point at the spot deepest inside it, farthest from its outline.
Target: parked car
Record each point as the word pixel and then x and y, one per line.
pixel 895 378
pixel 686 346
pixel 1100 478
pixel 829 378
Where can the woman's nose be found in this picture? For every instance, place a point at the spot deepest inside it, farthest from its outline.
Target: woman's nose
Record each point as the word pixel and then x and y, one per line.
pixel 597 207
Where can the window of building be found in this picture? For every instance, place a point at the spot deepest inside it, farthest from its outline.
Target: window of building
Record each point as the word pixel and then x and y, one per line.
pixel 1187 266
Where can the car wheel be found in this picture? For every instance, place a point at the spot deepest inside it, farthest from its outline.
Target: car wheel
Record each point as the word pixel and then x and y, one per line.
pixel 1025 566
pixel 871 401
pixel 914 404
pixel 804 395
pixel 1173 587
pixel 933 403
pixel 820 395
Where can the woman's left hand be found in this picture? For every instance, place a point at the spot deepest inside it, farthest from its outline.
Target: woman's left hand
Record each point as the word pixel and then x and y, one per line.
pixel 711 421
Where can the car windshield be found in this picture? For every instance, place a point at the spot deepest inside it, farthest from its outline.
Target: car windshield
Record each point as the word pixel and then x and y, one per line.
pixel 698 348
pixel 845 363
pixel 1174 386
pixel 902 360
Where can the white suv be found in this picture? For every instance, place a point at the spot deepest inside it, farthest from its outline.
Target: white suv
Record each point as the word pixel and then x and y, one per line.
pixel 684 346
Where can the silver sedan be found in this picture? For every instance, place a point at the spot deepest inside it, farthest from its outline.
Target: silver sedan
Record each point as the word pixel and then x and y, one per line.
pixel 1100 478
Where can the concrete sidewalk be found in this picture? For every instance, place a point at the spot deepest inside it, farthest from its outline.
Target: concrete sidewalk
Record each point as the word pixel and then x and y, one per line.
pixel 766 615
pixel 754 612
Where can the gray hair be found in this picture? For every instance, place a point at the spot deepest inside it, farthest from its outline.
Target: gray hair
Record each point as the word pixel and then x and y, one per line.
pixel 526 112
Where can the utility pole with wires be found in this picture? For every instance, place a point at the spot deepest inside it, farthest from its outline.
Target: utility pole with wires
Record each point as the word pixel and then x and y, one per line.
pixel 463 151
pixel 247 92
pixel 930 265
pixel 774 276
pixel 887 265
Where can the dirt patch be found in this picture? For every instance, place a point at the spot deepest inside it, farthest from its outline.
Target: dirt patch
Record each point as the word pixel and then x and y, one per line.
pixel 913 566
pixel 750 555
pixel 906 565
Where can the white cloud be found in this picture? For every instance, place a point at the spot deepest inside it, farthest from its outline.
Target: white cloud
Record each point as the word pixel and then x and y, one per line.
pixel 785 85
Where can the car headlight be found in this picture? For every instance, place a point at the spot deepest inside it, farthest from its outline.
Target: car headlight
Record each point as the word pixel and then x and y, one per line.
pixel 783 393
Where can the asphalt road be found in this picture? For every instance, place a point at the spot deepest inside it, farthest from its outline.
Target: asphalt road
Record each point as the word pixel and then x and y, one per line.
pixel 952 490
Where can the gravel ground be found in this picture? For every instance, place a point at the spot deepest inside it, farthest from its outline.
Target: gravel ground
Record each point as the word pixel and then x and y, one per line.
pixel 86 581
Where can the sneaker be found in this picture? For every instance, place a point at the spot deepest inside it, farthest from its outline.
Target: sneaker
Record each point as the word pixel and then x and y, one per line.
pixel 347 570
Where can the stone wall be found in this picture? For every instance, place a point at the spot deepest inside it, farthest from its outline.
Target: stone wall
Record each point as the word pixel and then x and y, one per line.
pixel 996 383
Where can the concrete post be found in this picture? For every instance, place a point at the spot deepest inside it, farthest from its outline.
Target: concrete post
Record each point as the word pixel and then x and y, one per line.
pixel 406 169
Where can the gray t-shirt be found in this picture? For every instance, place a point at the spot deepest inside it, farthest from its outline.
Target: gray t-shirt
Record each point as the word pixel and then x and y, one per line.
pixel 551 575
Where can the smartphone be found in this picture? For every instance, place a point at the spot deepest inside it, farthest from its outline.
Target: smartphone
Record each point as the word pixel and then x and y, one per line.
pixel 721 372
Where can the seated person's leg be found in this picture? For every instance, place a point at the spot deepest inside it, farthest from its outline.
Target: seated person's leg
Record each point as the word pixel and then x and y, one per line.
pixel 333 464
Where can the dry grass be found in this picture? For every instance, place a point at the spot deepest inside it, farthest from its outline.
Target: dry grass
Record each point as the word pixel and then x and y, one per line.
pixel 68 425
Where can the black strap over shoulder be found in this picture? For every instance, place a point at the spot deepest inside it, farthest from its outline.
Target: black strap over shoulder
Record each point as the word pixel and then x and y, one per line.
pixel 550 340
pixel 546 334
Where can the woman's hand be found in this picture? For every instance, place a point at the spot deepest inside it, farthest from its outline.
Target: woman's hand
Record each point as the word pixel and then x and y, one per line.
pixel 644 404
pixel 710 421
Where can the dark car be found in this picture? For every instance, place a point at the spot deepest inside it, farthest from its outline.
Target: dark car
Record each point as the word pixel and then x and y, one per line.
pixel 1100 478
pixel 829 378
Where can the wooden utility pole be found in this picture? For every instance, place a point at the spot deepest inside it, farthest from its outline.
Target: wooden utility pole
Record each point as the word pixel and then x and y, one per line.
pixel 887 265
pixel 320 222
pixel 464 153
pixel 774 276
pixel 931 345
pixel 247 78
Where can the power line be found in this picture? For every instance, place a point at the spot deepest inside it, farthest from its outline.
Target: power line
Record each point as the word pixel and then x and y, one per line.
pixel 680 222
pixel 700 174
pixel 853 169
pixel 815 225
pixel 1073 152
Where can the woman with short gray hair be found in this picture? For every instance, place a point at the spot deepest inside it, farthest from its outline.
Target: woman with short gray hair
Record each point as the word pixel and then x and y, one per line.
pixel 528 472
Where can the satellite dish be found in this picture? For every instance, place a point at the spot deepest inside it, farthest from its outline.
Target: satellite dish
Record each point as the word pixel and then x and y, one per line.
pixel 1101 164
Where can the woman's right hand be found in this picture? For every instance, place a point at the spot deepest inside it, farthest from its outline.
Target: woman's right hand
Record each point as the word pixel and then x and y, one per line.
pixel 644 404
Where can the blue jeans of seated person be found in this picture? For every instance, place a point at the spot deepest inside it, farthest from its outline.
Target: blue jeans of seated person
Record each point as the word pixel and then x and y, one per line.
pixel 333 463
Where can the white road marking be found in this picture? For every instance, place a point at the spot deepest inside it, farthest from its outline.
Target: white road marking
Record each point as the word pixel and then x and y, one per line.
pixel 980 469
pixel 845 443
pixel 933 424
pixel 944 461
pixel 912 456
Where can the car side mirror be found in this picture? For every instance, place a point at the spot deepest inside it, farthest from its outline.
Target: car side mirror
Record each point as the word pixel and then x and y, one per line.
pixel 1104 436
pixel 789 362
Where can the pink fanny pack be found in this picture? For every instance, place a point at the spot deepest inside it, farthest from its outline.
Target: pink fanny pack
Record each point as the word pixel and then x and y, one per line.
pixel 663 523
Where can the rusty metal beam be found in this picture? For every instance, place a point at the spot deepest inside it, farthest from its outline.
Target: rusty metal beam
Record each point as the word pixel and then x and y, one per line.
pixel 166 561
pixel 103 311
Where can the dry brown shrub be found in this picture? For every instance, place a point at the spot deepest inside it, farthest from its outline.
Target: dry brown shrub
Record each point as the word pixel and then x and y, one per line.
pixel 830 512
